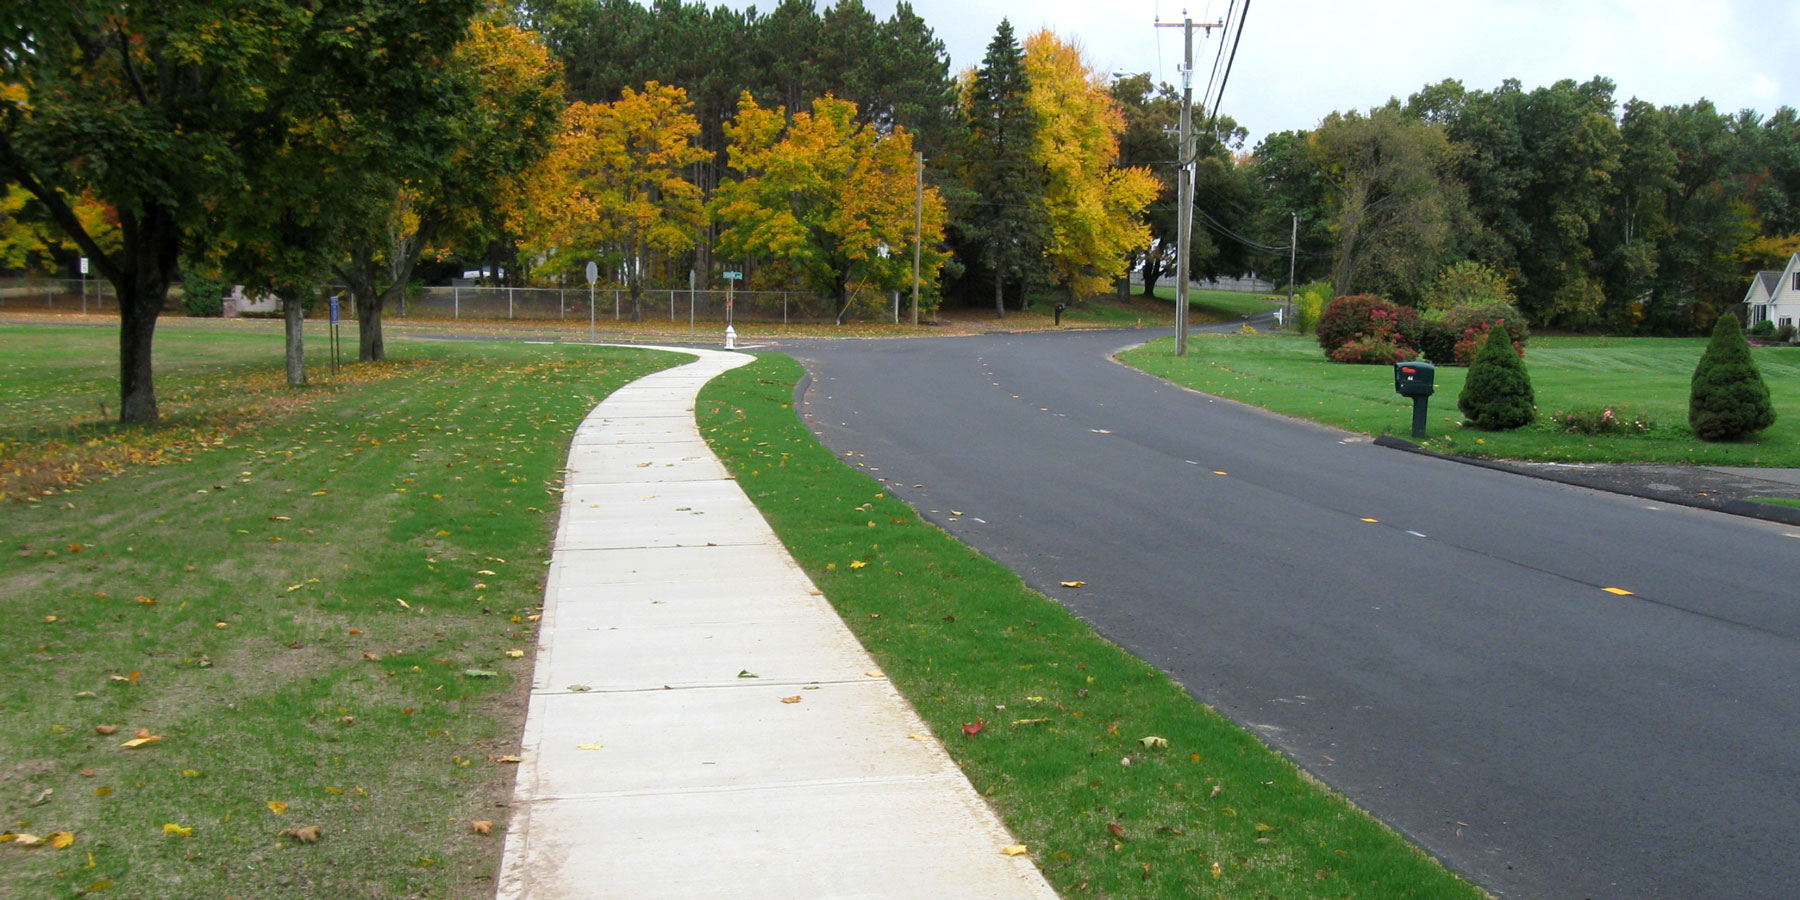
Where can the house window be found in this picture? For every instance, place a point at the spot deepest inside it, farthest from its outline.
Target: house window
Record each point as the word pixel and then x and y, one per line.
pixel 1797 281
pixel 1785 322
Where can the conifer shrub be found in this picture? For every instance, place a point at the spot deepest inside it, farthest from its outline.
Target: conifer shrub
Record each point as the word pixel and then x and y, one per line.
pixel 1497 394
pixel 1728 400
pixel 1369 319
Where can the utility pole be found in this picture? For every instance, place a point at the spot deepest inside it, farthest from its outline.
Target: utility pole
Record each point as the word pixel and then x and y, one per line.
pixel 1184 234
pixel 918 234
pixel 1293 249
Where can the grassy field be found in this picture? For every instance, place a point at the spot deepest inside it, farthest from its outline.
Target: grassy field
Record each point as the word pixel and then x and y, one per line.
pixel 317 611
pixel 1221 306
pixel 1120 782
pixel 1649 376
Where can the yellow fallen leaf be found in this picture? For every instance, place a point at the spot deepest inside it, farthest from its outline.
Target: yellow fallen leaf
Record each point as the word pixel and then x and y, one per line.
pixel 857 564
pixel 61 839
pixel 102 791
pixel 1264 826
pixel 875 674
pixel 484 571
pixel 177 830
pixel 509 758
pixel 1015 850
pixel 1154 741
pixel 190 773
pixel 21 838
pixel 590 746
pixel 1216 870
pixel 1073 584
pixel 49 619
pixel 277 807
pixel 918 737
pixel 141 740
pixel 481 826
pixel 403 603
pixel 515 654
pixel 793 699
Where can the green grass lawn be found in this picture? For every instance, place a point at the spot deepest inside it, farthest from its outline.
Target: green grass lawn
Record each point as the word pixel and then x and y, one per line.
pixel 1288 374
pixel 321 614
pixel 1220 306
pixel 1121 784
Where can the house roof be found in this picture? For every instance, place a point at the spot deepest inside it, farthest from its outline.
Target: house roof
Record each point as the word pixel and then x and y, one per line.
pixel 1770 281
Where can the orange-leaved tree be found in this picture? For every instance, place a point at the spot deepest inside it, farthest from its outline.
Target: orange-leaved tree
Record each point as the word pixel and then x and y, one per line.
pixel 827 194
pixel 1096 208
pixel 615 180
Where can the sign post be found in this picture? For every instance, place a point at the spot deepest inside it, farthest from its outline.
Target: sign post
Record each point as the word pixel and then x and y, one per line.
pixel 731 280
pixel 593 275
pixel 84 285
pixel 334 333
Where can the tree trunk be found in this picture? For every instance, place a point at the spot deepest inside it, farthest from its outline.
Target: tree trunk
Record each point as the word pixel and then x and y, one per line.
pixel 999 295
pixel 151 246
pixel 360 275
pixel 293 313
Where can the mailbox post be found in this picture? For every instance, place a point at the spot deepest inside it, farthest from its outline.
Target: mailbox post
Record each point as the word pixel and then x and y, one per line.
pixel 1415 379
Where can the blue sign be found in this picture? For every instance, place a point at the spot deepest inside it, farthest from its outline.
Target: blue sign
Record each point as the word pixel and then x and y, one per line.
pixel 334 309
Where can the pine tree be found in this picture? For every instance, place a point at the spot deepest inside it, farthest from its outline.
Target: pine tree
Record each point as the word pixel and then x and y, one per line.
pixel 1497 394
pixel 1728 400
pixel 1007 219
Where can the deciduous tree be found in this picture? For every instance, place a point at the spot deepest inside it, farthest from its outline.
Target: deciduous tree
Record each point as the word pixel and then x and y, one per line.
pixel 824 193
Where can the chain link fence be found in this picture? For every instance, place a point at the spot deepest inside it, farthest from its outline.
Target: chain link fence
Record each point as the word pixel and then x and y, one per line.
pixel 58 295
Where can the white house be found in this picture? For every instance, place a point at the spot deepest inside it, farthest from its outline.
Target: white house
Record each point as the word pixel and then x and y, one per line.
pixel 1775 296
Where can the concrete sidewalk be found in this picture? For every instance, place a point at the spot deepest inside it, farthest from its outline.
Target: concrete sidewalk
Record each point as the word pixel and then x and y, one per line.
pixel 664 756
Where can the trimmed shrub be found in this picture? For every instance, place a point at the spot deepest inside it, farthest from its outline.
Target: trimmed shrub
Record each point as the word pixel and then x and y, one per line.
pixel 1437 342
pixel 1602 420
pixel 1372 351
pixel 1728 400
pixel 1787 333
pixel 1765 328
pixel 201 296
pixel 1497 394
pixel 1370 318
pixel 1468 283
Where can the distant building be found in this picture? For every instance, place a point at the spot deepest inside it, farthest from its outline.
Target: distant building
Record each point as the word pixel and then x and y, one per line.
pixel 1775 296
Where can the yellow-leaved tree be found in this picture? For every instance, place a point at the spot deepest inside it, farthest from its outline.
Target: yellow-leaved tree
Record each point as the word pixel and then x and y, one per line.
pixel 615 182
pixel 1096 208
pixel 825 194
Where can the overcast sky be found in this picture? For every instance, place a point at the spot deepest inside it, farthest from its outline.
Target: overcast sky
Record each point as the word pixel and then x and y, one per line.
pixel 1301 59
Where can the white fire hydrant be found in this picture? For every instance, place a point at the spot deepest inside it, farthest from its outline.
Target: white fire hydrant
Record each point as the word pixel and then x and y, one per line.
pixel 730 338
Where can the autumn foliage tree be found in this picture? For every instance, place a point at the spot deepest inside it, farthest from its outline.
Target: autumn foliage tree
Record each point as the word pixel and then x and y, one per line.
pixel 1095 208
pixel 823 193
pixel 616 179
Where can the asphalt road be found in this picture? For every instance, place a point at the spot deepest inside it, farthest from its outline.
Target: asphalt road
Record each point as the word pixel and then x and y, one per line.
pixel 1435 640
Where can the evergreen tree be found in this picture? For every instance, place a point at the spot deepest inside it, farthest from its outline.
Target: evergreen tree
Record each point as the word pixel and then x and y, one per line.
pixel 1728 400
pixel 913 87
pixel 1006 221
pixel 1497 394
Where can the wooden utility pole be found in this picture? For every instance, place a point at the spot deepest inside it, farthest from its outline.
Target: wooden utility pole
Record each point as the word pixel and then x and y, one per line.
pixel 1293 250
pixel 918 234
pixel 1185 158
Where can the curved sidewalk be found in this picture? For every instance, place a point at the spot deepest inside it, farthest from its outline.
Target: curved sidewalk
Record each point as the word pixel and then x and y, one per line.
pixel 665 754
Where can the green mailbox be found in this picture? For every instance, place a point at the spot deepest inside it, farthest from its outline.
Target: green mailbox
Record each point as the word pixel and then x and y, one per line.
pixel 1414 379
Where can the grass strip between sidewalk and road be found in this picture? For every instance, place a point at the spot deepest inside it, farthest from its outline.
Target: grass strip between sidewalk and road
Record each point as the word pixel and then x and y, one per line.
pixel 1119 781
pixel 321 615
pixel 1635 377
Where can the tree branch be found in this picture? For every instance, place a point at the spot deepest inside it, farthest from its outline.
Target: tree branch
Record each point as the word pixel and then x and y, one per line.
pixel 137 84
pixel 20 171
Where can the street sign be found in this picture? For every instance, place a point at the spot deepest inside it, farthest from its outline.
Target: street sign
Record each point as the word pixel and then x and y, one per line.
pixel 84 265
pixel 593 273
pixel 334 309
pixel 733 276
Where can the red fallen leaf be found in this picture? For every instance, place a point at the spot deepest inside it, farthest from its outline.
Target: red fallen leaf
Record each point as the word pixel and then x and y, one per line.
pixel 105 729
pixel 1117 829
pixel 973 728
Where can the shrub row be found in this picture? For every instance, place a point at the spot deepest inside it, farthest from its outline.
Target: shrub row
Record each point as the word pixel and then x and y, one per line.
pixel 1364 328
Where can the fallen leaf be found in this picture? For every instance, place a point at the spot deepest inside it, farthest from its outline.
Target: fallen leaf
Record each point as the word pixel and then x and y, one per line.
pixel 1015 850
pixel 147 601
pixel 1154 741
pixel 1264 826
pixel 503 760
pixel 857 564
pixel 1073 584
pixel 102 791
pixel 177 830
pixel 515 654
pixel 143 737
pixel 1117 830
pixel 61 839
pixel 307 835
pixel 403 603
pixel 1029 721
pixel 190 773
pixel 371 656
pixel 481 826
pixel 793 699
pixel 974 728
pixel 918 737
pixel 590 746
pixel 277 807
pixel 22 839
pixel 480 673
pixel 105 729
pixel 875 674
pixel 1216 870
pixel 582 688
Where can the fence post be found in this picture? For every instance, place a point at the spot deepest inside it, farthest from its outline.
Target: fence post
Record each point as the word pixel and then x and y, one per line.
pixel 455 302
pixel 615 304
pixel 562 307
pixel 784 299
pixel 509 301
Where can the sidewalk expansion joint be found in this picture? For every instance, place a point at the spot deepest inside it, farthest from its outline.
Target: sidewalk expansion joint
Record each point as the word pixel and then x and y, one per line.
pixel 924 778
pixel 708 686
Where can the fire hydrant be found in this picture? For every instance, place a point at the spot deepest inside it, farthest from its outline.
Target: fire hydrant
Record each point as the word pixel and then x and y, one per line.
pixel 730 338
